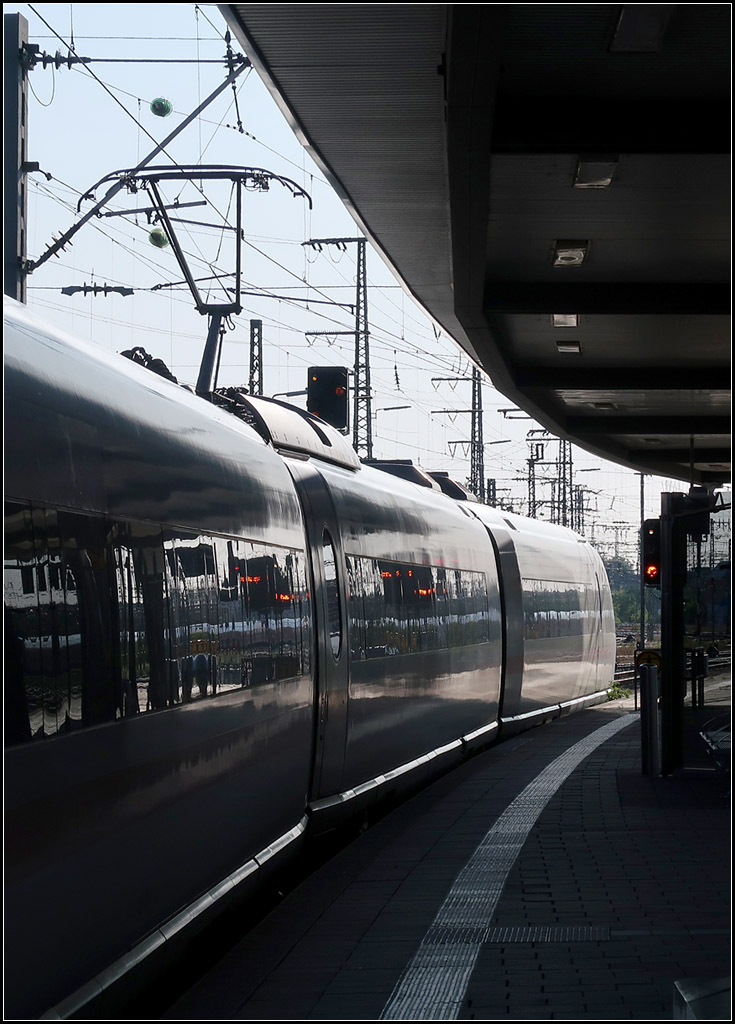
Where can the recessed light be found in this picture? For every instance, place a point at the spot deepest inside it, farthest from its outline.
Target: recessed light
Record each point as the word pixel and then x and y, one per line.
pixel 604 406
pixel 595 171
pixel 564 320
pixel 573 347
pixel 570 252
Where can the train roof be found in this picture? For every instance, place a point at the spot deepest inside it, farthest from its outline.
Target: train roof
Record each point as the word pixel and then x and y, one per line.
pixel 284 427
pixel 89 430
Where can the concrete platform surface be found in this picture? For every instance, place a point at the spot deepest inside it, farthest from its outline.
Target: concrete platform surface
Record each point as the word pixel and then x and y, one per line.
pixel 544 879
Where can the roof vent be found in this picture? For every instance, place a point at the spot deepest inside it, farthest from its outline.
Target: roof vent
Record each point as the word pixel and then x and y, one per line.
pixel 451 488
pixel 405 469
pixel 288 429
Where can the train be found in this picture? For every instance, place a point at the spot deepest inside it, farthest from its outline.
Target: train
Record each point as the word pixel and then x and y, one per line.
pixel 224 634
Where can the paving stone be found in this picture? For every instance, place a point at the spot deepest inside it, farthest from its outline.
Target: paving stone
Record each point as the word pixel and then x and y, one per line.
pixel 646 859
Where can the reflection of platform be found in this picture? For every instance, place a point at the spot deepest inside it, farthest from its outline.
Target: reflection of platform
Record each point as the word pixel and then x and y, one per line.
pixel 619 888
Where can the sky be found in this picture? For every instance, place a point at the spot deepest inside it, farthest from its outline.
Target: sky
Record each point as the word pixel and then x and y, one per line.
pixel 90 120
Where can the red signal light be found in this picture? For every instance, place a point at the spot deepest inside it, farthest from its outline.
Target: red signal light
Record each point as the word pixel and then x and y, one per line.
pixel 651 552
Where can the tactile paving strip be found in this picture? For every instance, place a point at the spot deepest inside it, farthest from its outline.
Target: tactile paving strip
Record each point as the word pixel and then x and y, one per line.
pixel 433 985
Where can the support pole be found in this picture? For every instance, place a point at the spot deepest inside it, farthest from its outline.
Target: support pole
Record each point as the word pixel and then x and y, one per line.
pixel 210 359
pixel 650 725
pixel 15 81
pixel 673 575
pixel 642 642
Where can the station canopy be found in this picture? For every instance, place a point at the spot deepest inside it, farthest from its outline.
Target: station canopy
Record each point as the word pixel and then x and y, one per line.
pixel 552 184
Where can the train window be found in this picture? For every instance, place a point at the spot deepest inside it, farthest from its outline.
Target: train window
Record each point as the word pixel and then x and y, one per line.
pixel 394 639
pixel 142 611
pixel 368 620
pixel 105 618
pixel 301 611
pixel 89 610
pixel 556 609
pixel 399 608
pixel 177 591
pixel 334 613
pixel 477 617
pixel 356 607
pixel 420 607
pixel 283 603
pixel 225 657
pixel 260 573
pixel 200 603
pixel 23 715
pixel 442 608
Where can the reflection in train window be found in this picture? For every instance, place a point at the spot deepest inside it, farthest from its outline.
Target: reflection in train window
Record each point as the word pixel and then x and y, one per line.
pixel 558 609
pixel 109 619
pixel 400 608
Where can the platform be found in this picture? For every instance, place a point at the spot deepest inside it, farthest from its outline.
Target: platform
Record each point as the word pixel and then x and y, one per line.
pixel 545 879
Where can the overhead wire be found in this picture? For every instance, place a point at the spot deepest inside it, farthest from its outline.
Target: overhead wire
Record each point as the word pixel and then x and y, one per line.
pixel 381 336
pixel 377 369
pixel 148 134
pixel 86 69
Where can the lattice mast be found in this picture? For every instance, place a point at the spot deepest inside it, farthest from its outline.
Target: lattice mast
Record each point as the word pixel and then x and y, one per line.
pixel 362 423
pixel 477 445
pixel 564 489
pixel 255 382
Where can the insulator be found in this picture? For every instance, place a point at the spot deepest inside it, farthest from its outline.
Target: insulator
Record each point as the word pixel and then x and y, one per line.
pixel 158 238
pixel 161 107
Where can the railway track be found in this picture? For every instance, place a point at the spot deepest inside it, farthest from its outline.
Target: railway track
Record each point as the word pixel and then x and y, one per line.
pixel 625 673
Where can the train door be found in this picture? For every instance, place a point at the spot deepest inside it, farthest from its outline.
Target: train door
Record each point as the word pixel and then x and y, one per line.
pixel 331 646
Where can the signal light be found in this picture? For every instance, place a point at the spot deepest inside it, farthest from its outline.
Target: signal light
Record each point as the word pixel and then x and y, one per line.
pixel 327 395
pixel 651 552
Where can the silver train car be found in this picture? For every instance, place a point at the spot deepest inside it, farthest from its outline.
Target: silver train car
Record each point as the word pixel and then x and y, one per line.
pixel 224 632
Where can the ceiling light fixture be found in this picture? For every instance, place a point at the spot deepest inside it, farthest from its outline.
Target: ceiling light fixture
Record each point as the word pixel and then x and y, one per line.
pixel 564 320
pixel 595 171
pixel 573 347
pixel 570 252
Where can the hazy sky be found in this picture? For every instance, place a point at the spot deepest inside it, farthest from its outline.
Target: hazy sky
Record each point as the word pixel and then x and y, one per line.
pixel 89 121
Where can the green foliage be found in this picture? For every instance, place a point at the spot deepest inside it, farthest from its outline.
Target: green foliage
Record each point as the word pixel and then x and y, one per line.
pixel 622 575
pixel 627 605
pixel 618 692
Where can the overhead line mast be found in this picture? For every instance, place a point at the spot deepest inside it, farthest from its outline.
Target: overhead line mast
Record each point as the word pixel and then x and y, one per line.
pixel 477 460
pixel 477 483
pixel 256 357
pixel 362 418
